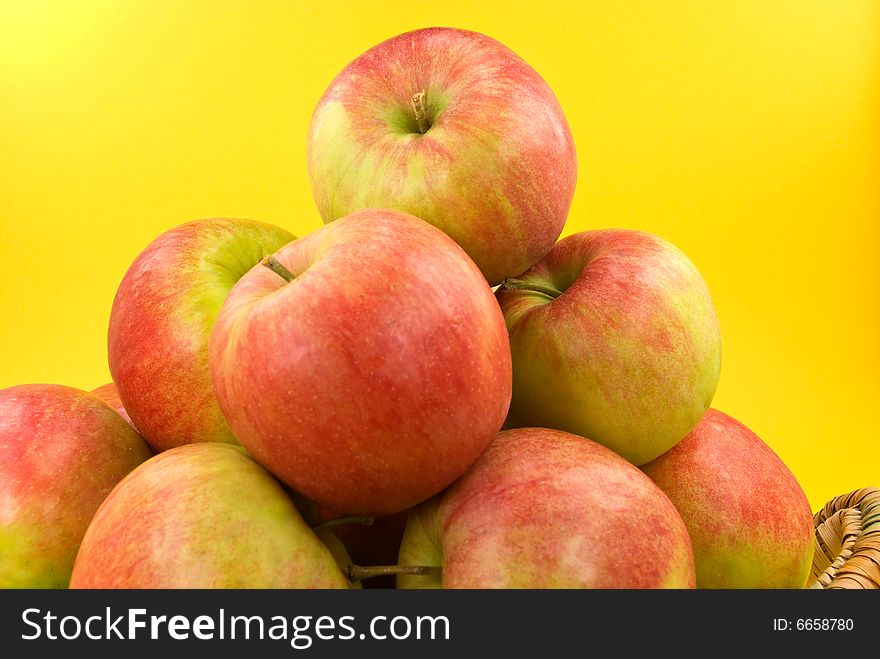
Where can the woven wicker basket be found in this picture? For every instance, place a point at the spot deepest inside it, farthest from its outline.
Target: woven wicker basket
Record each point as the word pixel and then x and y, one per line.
pixel 848 542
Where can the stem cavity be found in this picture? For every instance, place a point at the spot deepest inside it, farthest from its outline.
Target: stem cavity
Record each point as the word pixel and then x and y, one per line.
pixel 275 266
pixel 520 285
pixel 421 111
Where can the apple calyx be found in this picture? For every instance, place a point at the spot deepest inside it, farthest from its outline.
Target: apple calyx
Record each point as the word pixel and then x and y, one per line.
pixel 359 572
pixel 344 519
pixel 420 110
pixel 275 266
pixel 513 284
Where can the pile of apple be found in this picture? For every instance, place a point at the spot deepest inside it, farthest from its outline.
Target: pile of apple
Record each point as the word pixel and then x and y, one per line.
pixel 429 386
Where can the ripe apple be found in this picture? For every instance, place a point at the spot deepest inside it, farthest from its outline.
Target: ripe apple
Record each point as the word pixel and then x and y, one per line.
pixel 202 516
pixel 455 128
pixel 161 323
pixel 110 395
pixel 614 337
pixel 748 518
pixel 61 452
pixel 546 509
pixel 367 367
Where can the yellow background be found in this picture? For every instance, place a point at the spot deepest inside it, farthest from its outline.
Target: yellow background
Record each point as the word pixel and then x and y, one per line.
pixel 748 133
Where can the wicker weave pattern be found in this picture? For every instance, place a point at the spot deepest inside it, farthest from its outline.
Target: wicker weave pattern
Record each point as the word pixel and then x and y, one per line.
pixel 848 542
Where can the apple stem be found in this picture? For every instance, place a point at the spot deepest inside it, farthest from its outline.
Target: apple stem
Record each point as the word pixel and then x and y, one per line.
pixel 520 285
pixel 358 572
pixel 345 519
pixel 421 111
pixel 275 266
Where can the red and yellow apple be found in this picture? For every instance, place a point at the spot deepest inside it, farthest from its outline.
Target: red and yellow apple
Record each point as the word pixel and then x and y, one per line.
pixel 455 128
pixel 614 337
pixel 367 367
pixel 61 452
pixel 748 518
pixel 203 516
pixel 546 509
pixel 161 321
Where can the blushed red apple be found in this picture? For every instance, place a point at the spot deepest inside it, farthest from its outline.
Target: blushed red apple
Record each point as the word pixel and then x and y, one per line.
pixel 203 516
pixel 376 375
pixel 161 321
pixel 748 518
pixel 614 337
pixel 455 128
pixel 61 452
pixel 546 509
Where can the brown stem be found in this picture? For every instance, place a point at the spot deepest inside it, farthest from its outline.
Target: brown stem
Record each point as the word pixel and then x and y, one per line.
pixel 420 110
pixel 345 519
pixel 358 572
pixel 275 266
pixel 520 285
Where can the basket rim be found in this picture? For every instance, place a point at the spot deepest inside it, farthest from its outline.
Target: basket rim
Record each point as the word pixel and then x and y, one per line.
pixel 847 542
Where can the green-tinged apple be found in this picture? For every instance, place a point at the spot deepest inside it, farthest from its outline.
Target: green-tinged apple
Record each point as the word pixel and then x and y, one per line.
pixel 161 321
pixel 748 518
pixel 110 395
pixel 367 366
pixel 546 509
pixel 61 452
pixel 455 128
pixel 203 516
pixel 614 337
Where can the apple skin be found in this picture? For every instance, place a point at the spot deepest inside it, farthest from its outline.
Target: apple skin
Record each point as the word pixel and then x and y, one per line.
pixel 496 170
pixel 373 379
pixel 161 320
pixel 202 516
pixel 110 395
pixel 749 520
pixel 546 509
pixel 61 452
pixel 628 355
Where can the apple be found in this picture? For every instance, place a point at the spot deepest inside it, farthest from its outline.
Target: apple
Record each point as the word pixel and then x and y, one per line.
pixel 110 395
pixel 367 366
pixel 614 337
pixel 61 452
pixel 455 128
pixel 161 321
pixel 547 509
pixel 748 518
pixel 202 516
